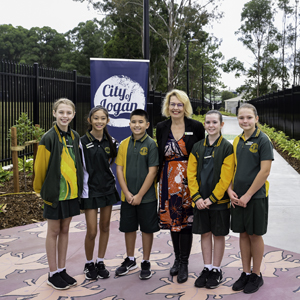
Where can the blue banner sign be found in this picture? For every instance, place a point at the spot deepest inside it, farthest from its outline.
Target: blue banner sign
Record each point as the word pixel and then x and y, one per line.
pixel 121 86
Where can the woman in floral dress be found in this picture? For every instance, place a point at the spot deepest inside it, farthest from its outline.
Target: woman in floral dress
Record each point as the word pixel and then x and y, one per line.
pixel 176 137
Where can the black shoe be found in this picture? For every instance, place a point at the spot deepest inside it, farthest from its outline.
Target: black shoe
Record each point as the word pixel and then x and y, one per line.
pixel 254 283
pixel 67 278
pixel 101 270
pixel 57 282
pixel 183 273
pixel 145 270
pixel 241 282
pixel 175 268
pixel 214 279
pixel 90 271
pixel 201 280
pixel 126 266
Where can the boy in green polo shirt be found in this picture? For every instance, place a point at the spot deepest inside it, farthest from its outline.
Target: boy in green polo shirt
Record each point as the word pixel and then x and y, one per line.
pixel 137 165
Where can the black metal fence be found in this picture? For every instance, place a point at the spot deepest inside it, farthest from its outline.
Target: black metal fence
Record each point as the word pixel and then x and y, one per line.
pixel 281 110
pixel 33 89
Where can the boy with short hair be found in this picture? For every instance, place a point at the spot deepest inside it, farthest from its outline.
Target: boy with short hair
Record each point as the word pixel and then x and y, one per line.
pixel 137 165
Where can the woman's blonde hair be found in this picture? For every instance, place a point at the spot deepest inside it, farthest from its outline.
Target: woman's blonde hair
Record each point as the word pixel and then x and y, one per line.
pixel 183 98
pixel 63 101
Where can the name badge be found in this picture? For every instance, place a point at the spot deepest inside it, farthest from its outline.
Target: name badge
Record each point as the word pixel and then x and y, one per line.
pixel 90 145
pixel 205 157
pixel 188 133
pixel 70 146
pixel 249 143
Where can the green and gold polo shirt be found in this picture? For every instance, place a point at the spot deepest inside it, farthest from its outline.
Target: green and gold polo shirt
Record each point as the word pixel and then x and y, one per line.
pixel 248 154
pixel 136 156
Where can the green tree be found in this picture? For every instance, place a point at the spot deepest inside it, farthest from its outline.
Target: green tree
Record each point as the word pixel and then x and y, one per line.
pixel 286 37
pixel 88 40
pixel 45 46
pixel 173 22
pixel 227 95
pixel 12 41
pixel 257 33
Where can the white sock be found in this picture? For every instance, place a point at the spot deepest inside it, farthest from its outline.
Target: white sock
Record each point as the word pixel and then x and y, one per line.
pixel 218 268
pixel 209 267
pixel 89 261
pixel 60 270
pixel 99 259
pixel 131 257
pixel 52 273
pixel 248 273
pixel 145 260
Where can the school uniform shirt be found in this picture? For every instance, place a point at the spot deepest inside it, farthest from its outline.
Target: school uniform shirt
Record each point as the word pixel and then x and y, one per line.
pixel 98 178
pixel 58 171
pixel 136 156
pixel 210 171
pixel 248 155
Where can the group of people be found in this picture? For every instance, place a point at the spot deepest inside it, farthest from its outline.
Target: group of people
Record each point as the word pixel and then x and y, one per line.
pixel 206 184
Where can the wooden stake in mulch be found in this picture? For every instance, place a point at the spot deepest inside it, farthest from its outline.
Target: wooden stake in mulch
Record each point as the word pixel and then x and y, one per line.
pixel 35 148
pixel 14 151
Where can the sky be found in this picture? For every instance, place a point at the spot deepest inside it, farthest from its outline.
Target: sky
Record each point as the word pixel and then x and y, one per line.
pixel 64 15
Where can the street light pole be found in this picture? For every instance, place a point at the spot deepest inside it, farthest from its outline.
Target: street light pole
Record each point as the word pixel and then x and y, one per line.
pixel 187 66
pixel 187 69
pixel 202 100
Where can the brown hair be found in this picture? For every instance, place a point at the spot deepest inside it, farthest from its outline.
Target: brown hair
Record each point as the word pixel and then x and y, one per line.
pixel 249 106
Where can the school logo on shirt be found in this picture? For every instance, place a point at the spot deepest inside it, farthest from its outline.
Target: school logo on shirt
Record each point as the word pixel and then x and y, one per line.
pixel 107 150
pixel 144 151
pixel 254 148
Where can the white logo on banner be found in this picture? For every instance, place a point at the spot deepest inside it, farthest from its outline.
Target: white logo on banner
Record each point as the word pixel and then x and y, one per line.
pixel 120 95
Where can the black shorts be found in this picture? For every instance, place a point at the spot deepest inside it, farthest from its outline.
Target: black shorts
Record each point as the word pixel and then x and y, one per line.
pixel 144 215
pixel 64 210
pixel 215 221
pixel 98 202
pixel 252 219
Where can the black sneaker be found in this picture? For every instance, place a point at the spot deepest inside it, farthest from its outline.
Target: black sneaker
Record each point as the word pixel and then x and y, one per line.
pixel 145 270
pixel 57 282
pixel 101 270
pixel 90 271
pixel 214 279
pixel 201 280
pixel 126 266
pixel 254 283
pixel 241 282
pixel 67 278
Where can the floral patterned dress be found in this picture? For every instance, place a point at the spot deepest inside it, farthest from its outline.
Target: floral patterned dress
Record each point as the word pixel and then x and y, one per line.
pixel 175 210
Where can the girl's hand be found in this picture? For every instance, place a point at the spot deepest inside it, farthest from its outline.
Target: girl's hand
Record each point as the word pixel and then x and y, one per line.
pixel 207 203
pixel 233 197
pixel 136 200
pixel 129 197
pixel 200 204
pixel 244 200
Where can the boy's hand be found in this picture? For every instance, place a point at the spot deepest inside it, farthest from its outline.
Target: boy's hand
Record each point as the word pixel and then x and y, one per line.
pixel 129 197
pixel 136 200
